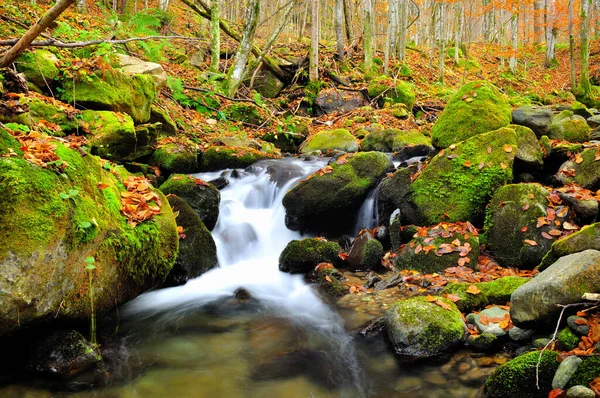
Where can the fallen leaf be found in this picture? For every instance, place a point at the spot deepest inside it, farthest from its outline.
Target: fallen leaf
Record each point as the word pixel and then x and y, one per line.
pixel 555 232
pixel 430 298
pixel 484 320
pixel 467 163
pixel 556 393
pixel 452 297
pixel 524 229
pixel 445 306
pixel 547 236
pixel 343 256
pixel 530 242
pixel 578 158
pixel 489 149
pixel 472 289
pixel 507 148
pixel 101 186
pixel 570 227
pixel 526 207
pixel 327 278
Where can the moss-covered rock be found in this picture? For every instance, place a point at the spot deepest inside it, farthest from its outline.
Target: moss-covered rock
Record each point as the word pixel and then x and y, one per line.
pixel 484 342
pixel 324 201
pixel 176 157
pixel 392 91
pixel 564 282
pixel 267 84
pixel 334 100
pixel 478 107
pixel 588 371
pixel 111 89
pixel 586 173
pixel 290 140
pixel 517 378
pixel 39 66
pixel 46 115
pixel 246 113
pixel 457 183
pixel 419 328
pixel 219 158
pixel 393 193
pixel 366 252
pixel 410 138
pixel 380 140
pixel 330 140
pixel 529 153
pixel 301 256
pixel 493 292
pixel 513 233
pixel 52 222
pixel 162 116
pixel 330 282
pixel 587 238
pixel 569 127
pixel 197 249
pixel 115 137
pixel 439 247
pixel 567 339
pixel 202 196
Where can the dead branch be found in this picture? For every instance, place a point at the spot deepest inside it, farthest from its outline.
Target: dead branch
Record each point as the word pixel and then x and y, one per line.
pixel 203 90
pixel 57 43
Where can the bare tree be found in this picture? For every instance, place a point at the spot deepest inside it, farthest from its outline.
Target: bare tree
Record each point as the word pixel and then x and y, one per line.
pixel 339 28
pixel 314 43
pixel 236 72
pixel 585 87
pixel 512 63
pixel 551 33
pixel 369 37
pixel 571 45
pixel 215 31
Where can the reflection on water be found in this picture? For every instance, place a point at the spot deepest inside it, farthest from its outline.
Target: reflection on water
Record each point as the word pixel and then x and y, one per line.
pixel 197 340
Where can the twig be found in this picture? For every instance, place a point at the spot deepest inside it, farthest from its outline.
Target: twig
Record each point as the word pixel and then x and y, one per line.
pixel 51 42
pixel 553 339
pixel 203 90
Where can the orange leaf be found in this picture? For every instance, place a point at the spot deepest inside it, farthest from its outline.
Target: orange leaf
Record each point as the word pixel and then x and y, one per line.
pixel 467 163
pixel 430 298
pixel 418 249
pixel 473 289
pixel 327 278
pixel 595 386
pixel 443 305
pixel 452 297
pixel 507 148
pixel 484 320
pixel 557 392
pixel 555 232
pixel 489 149
pixel 547 236
pixel 101 185
pixel 578 158
pixel 526 207
pixel 530 242
pixel 524 229
pixel 343 256
pixel 581 321
pixel 353 289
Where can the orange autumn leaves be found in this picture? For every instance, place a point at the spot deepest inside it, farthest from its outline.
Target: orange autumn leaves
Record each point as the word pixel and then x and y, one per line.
pixel 140 202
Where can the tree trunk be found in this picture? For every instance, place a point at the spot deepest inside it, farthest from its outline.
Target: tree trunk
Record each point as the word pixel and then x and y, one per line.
pixel 304 21
pixel 571 46
pixel 236 72
pixel 313 70
pixel 348 20
pixel 369 37
pixel 585 87
pixel 458 32
pixel 163 5
pixel 442 43
pixel 80 5
pixel 215 31
pixel 34 31
pixel 538 21
pixel 390 37
pixel 339 28
pixel 512 64
pixel 551 33
pixel 403 26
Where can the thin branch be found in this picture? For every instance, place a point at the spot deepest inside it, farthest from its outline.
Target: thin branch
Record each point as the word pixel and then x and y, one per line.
pixel 203 90
pixel 57 43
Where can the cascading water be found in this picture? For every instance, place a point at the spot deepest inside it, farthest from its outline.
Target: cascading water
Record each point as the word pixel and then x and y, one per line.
pixel 250 234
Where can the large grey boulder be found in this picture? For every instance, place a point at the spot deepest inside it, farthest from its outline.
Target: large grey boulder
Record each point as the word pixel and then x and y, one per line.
pixel 135 66
pixel 333 101
pixel 537 118
pixel 564 282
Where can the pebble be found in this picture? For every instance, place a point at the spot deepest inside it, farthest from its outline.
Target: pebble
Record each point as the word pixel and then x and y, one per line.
pixel 565 371
pixel 580 392
pixel 463 368
pixel 518 334
pixel 436 378
pixel 493 328
pixel 581 330
pixel 541 342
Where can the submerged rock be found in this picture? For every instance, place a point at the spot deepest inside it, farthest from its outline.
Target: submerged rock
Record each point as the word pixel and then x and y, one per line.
pixel 419 328
pixel 478 107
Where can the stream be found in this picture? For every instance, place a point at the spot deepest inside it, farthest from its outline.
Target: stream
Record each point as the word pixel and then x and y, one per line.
pixel 284 340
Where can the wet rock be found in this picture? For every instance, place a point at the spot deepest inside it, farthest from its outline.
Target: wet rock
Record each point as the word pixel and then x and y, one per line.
pixel 197 249
pixel 586 238
pixel 330 281
pixel 330 140
pixel 374 328
pixel 569 127
pixel 389 282
pixel 484 342
pixel 366 253
pixel 301 256
pixel 64 354
pixel 580 392
pixel 565 371
pixel 418 328
pixel 219 182
pixel 518 334
pixel 202 196
pixel 537 118
pixel 579 325
pixel 495 315
pixel 564 282
pixel 281 174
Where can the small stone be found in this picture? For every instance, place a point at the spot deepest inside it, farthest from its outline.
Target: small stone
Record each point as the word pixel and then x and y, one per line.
pixel 436 378
pixel 463 368
pixel 580 329
pixel 491 327
pixel 541 342
pixel 518 334
pixel 580 392
pixel 565 371
pixel 211 122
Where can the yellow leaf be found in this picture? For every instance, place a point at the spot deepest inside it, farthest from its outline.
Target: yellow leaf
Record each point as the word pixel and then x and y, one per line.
pixel 472 289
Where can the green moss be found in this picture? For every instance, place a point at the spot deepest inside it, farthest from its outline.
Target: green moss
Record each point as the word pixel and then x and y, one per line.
pixel 517 378
pixel 245 113
pixel 587 371
pixel 332 286
pixel 478 107
pixel 218 158
pixel 39 66
pixel 586 238
pixel 330 140
pixel 410 138
pixel 484 342
pixel 453 187
pixel 176 157
pixel 568 340
pixel 493 292
pixel 393 91
pixel 372 255
pixel 380 140
pixel 114 135
pixel 569 127
pixel 301 256
pixel 112 90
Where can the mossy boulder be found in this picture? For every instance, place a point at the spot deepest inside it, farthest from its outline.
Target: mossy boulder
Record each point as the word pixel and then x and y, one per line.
pixel 477 107
pixel 202 196
pixel 537 118
pixel 245 113
pixel 569 127
pixel 334 100
pixel 393 193
pixel 586 238
pixel 330 282
pixel 484 342
pixel 586 173
pixel 267 84
pixel 219 158
pixel 564 282
pixel 513 231
pixel 290 140
pixel 366 253
pixel 115 137
pixel 519 377
pixel 47 115
pixel 439 247
pixel 111 89
pixel 410 138
pixel 326 200
pixel 301 256
pixel 380 140
pixel 135 66
pixel 330 140
pixel 529 153
pixel 39 66
pixel 392 91
pixel 51 222
pixel 176 156
pixel 419 328
pixel 494 292
pixel 162 116
pixel 457 184
pixel 197 249
pixel 567 339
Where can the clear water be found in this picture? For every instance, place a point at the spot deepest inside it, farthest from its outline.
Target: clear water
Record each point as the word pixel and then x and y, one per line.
pixel 197 340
